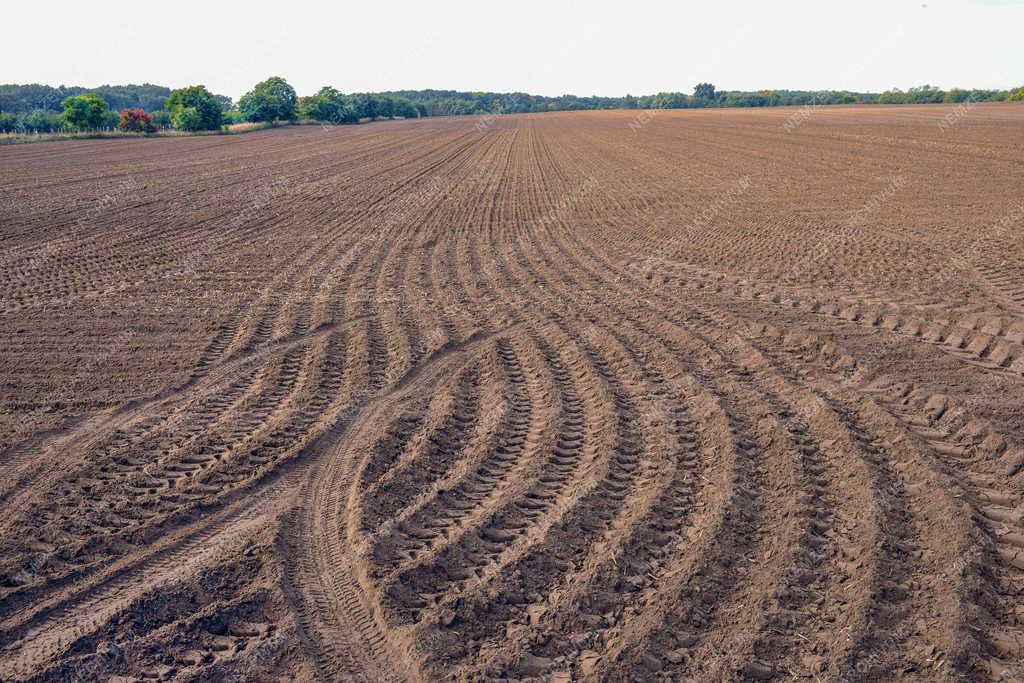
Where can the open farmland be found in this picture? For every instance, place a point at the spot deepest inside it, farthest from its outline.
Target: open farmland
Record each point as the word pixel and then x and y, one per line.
pixel 708 395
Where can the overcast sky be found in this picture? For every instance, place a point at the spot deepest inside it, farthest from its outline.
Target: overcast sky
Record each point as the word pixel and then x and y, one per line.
pixel 547 47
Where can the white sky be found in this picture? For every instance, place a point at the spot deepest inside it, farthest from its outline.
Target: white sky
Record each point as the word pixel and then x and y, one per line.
pixel 547 47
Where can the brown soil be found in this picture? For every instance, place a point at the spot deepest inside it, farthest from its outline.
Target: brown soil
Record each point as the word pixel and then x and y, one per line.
pixel 706 395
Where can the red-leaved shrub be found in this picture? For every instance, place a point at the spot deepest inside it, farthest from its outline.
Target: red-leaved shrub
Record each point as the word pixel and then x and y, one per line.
pixel 136 121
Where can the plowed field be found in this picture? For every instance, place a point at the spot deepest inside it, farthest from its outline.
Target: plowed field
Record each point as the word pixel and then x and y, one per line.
pixel 691 395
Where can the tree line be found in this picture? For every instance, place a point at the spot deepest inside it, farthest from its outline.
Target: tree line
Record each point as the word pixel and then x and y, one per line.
pixel 453 103
pixel 146 108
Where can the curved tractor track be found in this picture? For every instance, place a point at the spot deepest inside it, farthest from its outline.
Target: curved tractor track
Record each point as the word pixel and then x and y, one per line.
pixel 703 395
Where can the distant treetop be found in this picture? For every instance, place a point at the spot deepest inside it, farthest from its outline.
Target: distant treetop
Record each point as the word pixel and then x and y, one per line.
pixel 270 100
pixel 194 108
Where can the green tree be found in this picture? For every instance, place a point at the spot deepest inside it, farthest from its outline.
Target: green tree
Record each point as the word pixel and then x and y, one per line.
pixel 404 108
pixel 224 101
pixel 8 121
pixel 668 100
pixel 704 91
pixel 385 107
pixel 924 94
pixel 188 118
pixel 329 106
pixel 956 95
pixel 85 111
pixel 365 105
pixel 1016 95
pixel 895 96
pixel 41 121
pixel 271 100
pixel 199 99
pixel 161 118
